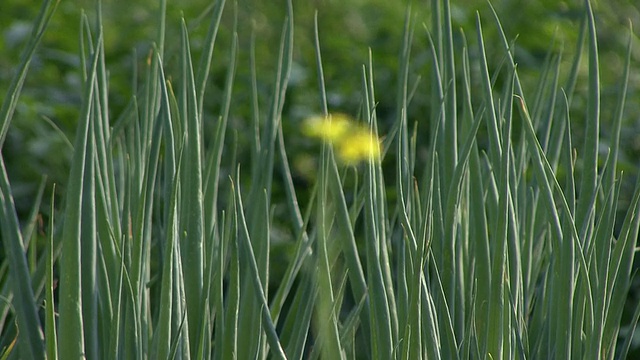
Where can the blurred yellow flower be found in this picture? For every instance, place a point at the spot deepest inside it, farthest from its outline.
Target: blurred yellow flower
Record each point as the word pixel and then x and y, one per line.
pixel 361 145
pixel 353 142
pixel 328 128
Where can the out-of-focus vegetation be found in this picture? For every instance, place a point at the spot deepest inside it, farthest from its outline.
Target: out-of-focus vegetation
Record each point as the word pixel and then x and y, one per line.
pixel 347 30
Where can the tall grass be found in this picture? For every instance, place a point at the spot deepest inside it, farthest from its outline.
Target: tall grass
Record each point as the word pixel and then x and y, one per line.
pixel 481 232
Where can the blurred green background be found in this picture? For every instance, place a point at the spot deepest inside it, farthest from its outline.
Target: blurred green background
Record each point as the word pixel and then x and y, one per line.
pixel 348 29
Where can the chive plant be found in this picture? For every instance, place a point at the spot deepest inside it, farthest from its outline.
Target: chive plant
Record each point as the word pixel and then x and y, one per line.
pixel 480 231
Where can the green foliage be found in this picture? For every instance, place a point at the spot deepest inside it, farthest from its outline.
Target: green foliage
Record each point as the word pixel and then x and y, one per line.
pixel 491 228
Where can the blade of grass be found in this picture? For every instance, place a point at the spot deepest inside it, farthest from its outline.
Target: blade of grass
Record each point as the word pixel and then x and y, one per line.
pixel 589 176
pixel 349 246
pixel 50 316
pixel 497 323
pixel 327 324
pixel 492 120
pixel 295 331
pixel 88 247
pixel 564 285
pixel 210 193
pixel 71 318
pixel 212 171
pixel 303 243
pixel 30 342
pixel 17 81
pixel 258 221
pixel 620 271
pixel 380 314
pixel 230 340
pixel 207 53
pixel 246 255
pixel 633 325
pixel 450 149
pixel 164 331
pixel 611 170
pixel 192 208
pixel 404 177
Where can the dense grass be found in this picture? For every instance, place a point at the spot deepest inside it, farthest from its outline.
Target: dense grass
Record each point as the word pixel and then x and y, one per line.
pixel 482 230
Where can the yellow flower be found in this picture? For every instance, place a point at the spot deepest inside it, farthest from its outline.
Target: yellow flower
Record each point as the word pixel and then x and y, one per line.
pixel 353 142
pixel 328 128
pixel 361 145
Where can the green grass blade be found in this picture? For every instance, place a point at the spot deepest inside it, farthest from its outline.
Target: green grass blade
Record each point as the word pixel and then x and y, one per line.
pixel 207 54
pixel 589 180
pixel 564 298
pixel 30 342
pixel 164 329
pixel 50 316
pixel 492 120
pixel 327 327
pixel 497 324
pixel 450 128
pixel 380 313
pixel 212 249
pixel 258 220
pixel 633 325
pixel 246 255
pixel 230 340
pixel 71 319
pixel 88 247
pixel 303 243
pixel 192 210
pixel 620 271
pixel 13 93
pixel 611 171
pixel 211 181
pixel 295 331
pixel 345 227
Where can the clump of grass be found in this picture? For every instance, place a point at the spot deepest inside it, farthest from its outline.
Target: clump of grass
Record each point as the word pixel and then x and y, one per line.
pixel 465 251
